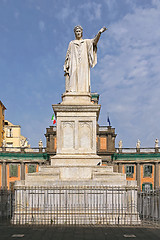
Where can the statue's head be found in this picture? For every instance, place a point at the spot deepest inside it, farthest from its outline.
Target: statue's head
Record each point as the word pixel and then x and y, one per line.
pixel 78 30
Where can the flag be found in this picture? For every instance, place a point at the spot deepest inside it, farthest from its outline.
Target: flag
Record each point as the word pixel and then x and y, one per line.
pixel 53 119
pixel 108 120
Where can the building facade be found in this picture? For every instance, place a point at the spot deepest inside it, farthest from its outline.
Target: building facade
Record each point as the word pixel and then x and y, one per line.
pixel 143 167
pixel 2 117
pixel 15 165
pixel 17 158
pixel 13 137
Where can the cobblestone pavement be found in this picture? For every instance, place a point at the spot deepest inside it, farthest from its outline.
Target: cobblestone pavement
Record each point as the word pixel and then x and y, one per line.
pixel 78 233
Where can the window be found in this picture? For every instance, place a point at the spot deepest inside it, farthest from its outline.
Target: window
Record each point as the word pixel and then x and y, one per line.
pixel 13 170
pixel 103 143
pixel 31 168
pixel 147 170
pixel 146 187
pixel 9 144
pixel 9 132
pixel 129 171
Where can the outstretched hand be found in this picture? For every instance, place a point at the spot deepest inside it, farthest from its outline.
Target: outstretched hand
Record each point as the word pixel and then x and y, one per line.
pixel 102 29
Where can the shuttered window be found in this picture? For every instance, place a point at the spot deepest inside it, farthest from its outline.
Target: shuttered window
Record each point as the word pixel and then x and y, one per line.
pixel 31 168
pixel 129 171
pixel 13 170
pixel 147 170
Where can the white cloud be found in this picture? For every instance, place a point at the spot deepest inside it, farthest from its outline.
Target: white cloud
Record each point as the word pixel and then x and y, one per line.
pixel 65 12
pixel 92 10
pixel 111 4
pixel 89 10
pixel 131 74
pixel 156 3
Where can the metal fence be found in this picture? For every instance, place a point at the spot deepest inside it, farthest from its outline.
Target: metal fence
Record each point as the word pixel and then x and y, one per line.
pixel 74 205
pixel 149 206
pixel 6 205
pixel 79 206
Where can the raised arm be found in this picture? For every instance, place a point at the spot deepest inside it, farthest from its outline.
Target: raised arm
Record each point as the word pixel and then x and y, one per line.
pixel 67 60
pixel 96 39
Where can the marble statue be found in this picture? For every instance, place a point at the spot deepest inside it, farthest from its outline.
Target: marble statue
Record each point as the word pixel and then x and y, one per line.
pixel 23 143
pixel 40 144
pixel 156 143
pixel 81 56
pixel 138 144
pixel 120 144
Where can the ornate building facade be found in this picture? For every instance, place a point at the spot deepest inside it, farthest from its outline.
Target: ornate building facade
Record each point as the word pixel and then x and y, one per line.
pixel 13 137
pixel 139 164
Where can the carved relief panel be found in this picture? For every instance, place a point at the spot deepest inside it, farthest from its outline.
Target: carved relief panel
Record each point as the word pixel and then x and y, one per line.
pixel 68 134
pixel 85 135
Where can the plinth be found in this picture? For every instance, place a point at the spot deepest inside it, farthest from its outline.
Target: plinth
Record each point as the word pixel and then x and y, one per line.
pixel 75 188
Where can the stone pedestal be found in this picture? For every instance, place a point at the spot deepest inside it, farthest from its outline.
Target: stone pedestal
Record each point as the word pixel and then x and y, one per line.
pixel 75 180
pixel 76 128
pixel 76 133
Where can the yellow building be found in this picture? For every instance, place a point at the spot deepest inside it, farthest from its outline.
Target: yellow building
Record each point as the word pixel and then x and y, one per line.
pixel 13 137
pixel 2 109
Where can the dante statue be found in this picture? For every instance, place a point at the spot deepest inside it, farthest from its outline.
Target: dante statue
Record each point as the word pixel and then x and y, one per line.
pixel 81 56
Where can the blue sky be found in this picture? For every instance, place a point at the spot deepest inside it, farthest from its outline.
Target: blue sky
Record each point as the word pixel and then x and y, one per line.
pixel 34 36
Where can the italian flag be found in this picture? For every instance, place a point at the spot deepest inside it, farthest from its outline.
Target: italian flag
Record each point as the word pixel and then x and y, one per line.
pixel 53 119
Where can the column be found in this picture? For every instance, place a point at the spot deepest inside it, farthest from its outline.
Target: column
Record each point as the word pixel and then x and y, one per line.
pixel 4 175
pixel 138 175
pixel 156 175
pixel 22 171
pixel 120 168
pixel 115 168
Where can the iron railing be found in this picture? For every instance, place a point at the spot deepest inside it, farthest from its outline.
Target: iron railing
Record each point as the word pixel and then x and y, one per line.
pixel 6 205
pixel 149 206
pixel 75 205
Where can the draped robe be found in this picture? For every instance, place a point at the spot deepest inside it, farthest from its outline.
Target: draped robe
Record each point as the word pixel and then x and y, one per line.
pixel 81 55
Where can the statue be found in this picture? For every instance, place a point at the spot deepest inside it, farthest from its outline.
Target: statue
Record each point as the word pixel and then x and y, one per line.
pixel 156 143
pixel 40 144
pixel 81 55
pixel 120 144
pixel 23 143
pixel 138 144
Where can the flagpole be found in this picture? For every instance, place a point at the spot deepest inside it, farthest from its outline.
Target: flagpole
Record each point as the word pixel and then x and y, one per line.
pixel 108 120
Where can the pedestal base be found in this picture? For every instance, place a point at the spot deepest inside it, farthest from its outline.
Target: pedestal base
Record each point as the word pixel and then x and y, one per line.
pixel 72 98
pixel 75 175
pixel 75 160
